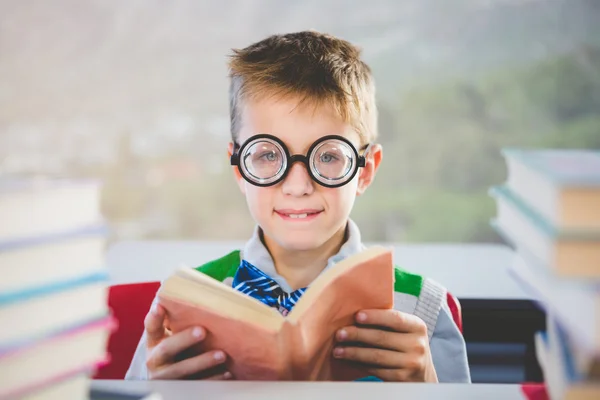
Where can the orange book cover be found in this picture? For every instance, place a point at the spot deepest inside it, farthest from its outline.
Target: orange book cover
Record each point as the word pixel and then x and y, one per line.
pixel 261 344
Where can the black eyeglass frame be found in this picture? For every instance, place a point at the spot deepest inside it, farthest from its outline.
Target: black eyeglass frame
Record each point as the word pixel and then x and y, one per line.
pixel 305 159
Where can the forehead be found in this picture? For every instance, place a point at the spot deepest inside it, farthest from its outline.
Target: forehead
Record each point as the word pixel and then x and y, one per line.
pixel 297 124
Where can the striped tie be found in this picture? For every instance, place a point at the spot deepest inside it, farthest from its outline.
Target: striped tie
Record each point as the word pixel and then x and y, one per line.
pixel 255 283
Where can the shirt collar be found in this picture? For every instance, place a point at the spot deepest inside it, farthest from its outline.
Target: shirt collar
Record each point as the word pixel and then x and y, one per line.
pixel 256 253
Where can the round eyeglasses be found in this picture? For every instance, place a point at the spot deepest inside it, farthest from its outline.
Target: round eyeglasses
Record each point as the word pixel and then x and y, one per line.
pixel 264 160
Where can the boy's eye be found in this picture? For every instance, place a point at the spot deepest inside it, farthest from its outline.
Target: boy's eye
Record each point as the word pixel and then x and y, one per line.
pixel 269 156
pixel 327 157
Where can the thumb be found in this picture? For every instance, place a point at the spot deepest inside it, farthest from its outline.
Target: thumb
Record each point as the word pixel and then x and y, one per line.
pixel 154 325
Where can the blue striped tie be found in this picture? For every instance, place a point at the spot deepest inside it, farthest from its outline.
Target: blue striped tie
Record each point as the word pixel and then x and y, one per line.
pixel 252 281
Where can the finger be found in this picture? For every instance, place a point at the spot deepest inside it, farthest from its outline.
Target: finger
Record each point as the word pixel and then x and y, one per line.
pixel 374 357
pixel 165 351
pixel 392 319
pixel 154 325
pixel 221 377
pixel 190 366
pixel 381 339
pixel 393 375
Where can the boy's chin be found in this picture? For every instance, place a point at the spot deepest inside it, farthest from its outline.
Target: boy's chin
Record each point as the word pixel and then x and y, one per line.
pixel 298 242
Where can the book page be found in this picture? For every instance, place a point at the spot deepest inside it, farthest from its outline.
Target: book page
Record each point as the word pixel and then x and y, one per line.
pixel 193 287
pixel 327 278
pixel 364 282
pixel 254 350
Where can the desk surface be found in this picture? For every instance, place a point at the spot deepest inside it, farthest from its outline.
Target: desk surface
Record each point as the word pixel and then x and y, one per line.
pixel 476 271
pixel 174 390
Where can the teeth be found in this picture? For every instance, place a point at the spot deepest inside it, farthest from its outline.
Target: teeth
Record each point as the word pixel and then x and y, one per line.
pixel 298 215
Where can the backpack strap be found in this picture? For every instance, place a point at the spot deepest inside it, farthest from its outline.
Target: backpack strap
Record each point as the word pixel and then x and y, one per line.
pixel 429 296
pixel 222 268
pixel 407 283
pixel 430 303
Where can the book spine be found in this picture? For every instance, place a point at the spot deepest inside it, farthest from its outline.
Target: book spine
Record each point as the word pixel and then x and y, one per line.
pixel 294 354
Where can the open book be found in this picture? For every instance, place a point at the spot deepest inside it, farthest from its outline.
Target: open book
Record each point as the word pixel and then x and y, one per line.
pixel 261 344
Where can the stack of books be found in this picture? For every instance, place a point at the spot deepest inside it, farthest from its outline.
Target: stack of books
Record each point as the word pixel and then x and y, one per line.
pixel 53 289
pixel 549 211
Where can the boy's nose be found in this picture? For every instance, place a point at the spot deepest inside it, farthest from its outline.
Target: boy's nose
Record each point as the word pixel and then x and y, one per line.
pixel 298 182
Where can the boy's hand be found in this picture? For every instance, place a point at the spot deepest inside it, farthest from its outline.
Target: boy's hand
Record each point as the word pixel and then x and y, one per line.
pixel 394 346
pixel 163 349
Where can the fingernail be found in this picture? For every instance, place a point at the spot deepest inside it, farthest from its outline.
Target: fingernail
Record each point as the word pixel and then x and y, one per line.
pixel 154 309
pixel 338 352
pixel 219 356
pixel 197 332
pixel 361 317
pixel 342 334
pixel 227 375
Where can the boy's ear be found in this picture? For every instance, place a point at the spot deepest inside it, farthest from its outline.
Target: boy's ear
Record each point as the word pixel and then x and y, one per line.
pixel 367 174
pixel 229 150
pixel 236 172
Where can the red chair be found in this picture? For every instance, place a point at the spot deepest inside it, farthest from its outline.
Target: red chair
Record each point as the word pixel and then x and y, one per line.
pixel 535 391
pixel 131 302
pixel 455 310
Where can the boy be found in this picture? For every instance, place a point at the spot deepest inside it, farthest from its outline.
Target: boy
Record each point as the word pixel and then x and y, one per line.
pixel 303 125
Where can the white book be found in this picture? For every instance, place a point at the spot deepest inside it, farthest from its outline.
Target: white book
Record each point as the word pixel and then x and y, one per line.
pixel 574 302
pixel 73 387
pixel 33 263
pixel 35 313
pixel 46 362
pixel 563 185
pixel 565 252
pixel 30 209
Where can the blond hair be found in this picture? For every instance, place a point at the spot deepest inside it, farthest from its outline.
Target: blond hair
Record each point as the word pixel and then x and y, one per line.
pixel 312 66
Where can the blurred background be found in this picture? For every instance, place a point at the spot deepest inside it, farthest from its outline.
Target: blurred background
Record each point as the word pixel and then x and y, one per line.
pixel 135 93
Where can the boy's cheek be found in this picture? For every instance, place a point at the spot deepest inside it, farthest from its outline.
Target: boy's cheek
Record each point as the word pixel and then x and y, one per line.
pixel 241 182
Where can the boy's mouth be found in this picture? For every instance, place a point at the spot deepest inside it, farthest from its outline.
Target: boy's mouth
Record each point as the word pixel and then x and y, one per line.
pixel 298 215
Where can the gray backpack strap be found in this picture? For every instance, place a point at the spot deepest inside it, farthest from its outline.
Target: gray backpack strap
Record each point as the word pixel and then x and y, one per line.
pixel 429 304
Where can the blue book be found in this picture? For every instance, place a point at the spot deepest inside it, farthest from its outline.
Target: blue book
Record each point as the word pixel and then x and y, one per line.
pixel 37 312
pixel 557 356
